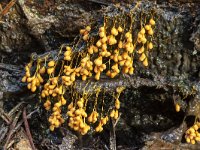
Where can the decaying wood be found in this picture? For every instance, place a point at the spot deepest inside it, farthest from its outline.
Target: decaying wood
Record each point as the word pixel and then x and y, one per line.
pixel 136 81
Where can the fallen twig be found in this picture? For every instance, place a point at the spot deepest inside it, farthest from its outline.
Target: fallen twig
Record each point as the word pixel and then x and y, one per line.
pixel 100 2
pixel 5 116
pixel 10 144
pixel 1 8
pixel 28 129
pixel 115 123
pixel 3 131
pixel 22 121
pixel 11 131
pixel 15 109
pixel 113 134
pixel 8 6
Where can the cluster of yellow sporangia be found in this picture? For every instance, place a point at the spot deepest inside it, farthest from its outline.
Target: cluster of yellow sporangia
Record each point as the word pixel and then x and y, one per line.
pixel 115 113
pixel 192 135
pixel 56 118
pixel 68 54
pixel 146 30
pixel 110 52
pixel 80 121
pixel 77 117
pixel 85 33
pixel 33 81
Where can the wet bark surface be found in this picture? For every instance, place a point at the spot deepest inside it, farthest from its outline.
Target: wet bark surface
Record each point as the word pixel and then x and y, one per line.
pixel 148 118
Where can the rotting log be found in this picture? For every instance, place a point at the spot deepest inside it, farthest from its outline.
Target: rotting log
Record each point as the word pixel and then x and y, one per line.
pixel 174 63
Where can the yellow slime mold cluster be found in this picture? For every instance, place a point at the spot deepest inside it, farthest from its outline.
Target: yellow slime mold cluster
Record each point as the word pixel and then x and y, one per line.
pixel 192 135
pixel 111 52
